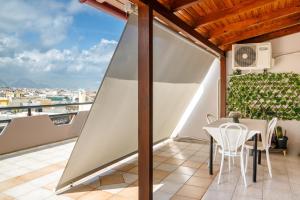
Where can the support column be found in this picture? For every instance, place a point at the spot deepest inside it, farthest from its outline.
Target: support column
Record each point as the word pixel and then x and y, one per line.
pixel 145 100
pixel 223 83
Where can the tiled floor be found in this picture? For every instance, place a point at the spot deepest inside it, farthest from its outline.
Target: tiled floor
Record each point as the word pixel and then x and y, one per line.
pixel 180 173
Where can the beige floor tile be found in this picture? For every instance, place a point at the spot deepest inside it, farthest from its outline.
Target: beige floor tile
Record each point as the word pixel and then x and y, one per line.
pixel 38 194
pixel 217 195
pixel 58 197
pixel 191 191
pixel 160 174
pixel 177 178
pixel 112 179
pixel 204 174
pixel 134 170
pixel 192 164
pixel 51 186
pixel 130 178
pixel 113 189
pixel 39 173
pixel 199 181
pixel 181 156
pixel 118 197
pixel 166 154
pixel 170 187
pixel 9 183
pixel 178 197
pixel 277 195
pixel 77 192
pixel 6 197
pixel 248 192
pixel 185 170
pixel 95 195
pixel 159 195
pixel 276 185
pixel 130 193
pixel 167 167
pixel 20 190
pixel 175 161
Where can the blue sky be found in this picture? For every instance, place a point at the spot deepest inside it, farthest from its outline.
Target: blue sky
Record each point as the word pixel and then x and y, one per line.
pixel 57 43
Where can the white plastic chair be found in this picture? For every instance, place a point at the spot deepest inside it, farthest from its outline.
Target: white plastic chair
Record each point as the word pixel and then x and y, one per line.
pixel 263 147
pixel 210 119
pixel 232 139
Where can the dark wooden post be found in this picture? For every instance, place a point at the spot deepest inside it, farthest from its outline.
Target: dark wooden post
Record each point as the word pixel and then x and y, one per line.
pixel 223 87
pixel 29 112
pixel 145 100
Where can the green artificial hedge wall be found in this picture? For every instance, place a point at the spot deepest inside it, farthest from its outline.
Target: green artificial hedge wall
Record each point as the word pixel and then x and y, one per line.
pixel 265 95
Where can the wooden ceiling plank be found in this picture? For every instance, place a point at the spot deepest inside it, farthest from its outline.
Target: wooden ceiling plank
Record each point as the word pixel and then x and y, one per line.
pixel 176 23
pixel 277 25
pixel 233 11
pixel 274 34
pixel 268 36
pixel 255 21
pixel 182 4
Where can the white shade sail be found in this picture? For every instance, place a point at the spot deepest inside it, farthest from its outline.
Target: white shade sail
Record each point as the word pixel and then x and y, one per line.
pixel 111 130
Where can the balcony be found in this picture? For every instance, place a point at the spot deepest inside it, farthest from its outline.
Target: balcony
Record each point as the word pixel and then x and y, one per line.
pixel 22 130
pixel 180 173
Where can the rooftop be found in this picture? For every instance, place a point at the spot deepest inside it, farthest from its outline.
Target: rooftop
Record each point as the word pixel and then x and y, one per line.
pixel 180 172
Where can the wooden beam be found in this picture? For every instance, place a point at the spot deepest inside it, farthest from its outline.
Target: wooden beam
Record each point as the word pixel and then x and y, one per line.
pixel 244 6
pixel 171 19
pixel 145 100
pixel 269 36
pixel 273 35
pixel 106 7
pixel 267 28
pixel 179 25
pixel 223 86
pixel 255 21
pixel 182 4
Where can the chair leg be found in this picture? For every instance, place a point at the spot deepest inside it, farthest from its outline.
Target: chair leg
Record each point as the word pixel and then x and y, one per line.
pixel 269 162
pixel 216 149
pixel 246 161
pixel 221 168
pixel 243 170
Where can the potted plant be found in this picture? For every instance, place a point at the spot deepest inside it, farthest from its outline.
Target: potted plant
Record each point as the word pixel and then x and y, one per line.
pixel 281 138
pixel 235 115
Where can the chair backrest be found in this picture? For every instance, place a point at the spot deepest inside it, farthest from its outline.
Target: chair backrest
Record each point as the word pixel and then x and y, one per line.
pixel 210 118
pixel 232 136
pixel 270 131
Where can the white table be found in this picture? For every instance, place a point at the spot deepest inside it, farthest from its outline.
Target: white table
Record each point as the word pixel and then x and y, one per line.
pixel 255 127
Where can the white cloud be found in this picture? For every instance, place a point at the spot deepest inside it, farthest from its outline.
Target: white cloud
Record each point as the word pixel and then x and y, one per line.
pixel 76 7
pixel 50 19
pixel 8 44
pixel 68 61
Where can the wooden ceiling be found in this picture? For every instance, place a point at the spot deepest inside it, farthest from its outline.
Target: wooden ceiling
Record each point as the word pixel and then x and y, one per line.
pixel 217 24
pixel 225 22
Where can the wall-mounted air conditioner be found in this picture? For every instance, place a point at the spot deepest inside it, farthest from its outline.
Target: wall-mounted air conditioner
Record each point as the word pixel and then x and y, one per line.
pixel 255 56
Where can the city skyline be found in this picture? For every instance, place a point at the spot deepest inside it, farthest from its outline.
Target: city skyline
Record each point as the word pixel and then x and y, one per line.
pixel 55 44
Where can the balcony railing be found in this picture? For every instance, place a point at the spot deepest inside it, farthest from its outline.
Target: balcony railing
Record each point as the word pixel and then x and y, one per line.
pixel 62 118
pixel 38 126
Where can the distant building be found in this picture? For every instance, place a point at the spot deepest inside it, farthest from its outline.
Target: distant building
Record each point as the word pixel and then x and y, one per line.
pixel 4 101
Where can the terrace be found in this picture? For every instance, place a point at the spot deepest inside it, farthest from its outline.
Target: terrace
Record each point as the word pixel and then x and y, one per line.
pixel 161 122
pixel 180 172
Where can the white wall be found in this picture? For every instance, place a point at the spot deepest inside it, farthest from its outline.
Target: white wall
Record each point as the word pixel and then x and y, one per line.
pixel 286 52
pixel 205 101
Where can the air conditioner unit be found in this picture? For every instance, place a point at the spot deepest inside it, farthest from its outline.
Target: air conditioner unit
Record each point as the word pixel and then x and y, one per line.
pixel 255 56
